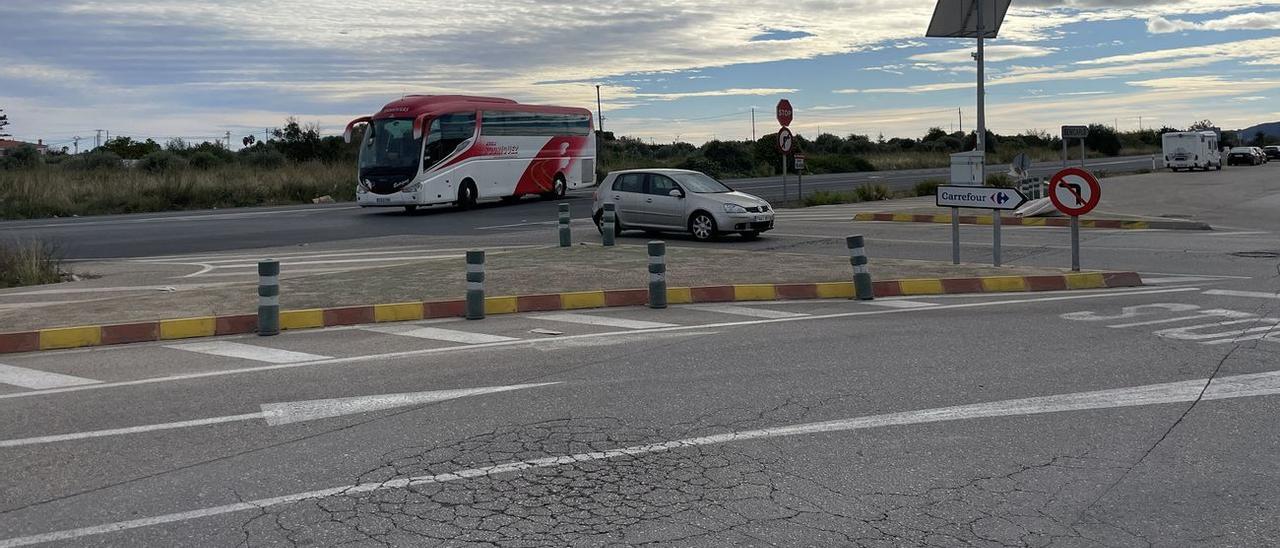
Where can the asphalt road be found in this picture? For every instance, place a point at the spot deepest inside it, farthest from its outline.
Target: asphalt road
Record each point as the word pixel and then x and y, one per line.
pixel 1138 417
pixel 250 228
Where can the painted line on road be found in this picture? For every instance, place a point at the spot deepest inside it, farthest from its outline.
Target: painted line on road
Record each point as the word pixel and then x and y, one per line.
pixel 604 321
pixel 228 349
pixel 39 380
pixel 896 303
pixel 1202 315
pixel 278 414
pixel 1222 388
pixel 1245 294
pixel 748 311
pixel 1178 280
pixel 437 334
pixel 430 351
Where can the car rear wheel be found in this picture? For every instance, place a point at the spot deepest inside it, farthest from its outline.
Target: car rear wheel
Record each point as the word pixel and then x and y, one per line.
pixel 702 226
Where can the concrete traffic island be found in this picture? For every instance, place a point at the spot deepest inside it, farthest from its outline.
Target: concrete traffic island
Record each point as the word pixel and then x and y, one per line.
pixel 525 280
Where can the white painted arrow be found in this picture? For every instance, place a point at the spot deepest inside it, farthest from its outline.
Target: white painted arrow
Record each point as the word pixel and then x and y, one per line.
pixel 277 414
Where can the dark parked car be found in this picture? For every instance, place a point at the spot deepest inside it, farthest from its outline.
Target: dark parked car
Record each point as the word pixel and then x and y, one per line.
pixel 1273 152
pixel 1243 156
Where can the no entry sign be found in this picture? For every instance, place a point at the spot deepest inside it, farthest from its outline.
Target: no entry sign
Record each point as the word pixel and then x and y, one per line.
pixel 1074 191
pixel 785 114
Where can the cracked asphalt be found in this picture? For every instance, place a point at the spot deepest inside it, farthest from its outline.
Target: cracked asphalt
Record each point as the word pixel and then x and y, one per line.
pixel 1073 419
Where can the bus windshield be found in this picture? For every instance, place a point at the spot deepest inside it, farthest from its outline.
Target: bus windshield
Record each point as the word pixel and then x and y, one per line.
pixel 389 149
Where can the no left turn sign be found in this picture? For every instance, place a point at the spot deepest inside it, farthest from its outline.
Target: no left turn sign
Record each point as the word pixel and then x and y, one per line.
pixel 1074 191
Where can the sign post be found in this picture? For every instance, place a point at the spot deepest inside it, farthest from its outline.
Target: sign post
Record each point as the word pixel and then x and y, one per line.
pixel 995 199
pixel 1073 132
pixel 786 140
pixel 1075 192
pixel 798 158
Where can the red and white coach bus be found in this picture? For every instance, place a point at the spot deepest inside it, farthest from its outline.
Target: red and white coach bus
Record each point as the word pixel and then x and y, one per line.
pixel 440 149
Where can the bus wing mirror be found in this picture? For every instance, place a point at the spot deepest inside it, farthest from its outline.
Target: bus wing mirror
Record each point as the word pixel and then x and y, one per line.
pixel 346 135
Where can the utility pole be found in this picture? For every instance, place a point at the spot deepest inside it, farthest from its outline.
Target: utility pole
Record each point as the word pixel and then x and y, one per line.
pixel 599 109
pixel 97 139
pixel 1140 128
pixel 961 113
pixel 228 140
pixel 266 134
pixel 753 124
pixel 76 140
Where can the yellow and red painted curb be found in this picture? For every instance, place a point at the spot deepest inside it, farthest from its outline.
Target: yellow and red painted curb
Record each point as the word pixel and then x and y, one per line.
pixel 1032 221
pixel 210 326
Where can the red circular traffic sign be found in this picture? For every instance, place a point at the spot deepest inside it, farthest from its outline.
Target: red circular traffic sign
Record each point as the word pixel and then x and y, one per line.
pixel 785 114
pixel 1074 191
pixel 786 141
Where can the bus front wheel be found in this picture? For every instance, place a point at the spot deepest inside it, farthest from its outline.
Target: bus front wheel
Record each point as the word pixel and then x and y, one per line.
pixel 467 195
pixel 558 190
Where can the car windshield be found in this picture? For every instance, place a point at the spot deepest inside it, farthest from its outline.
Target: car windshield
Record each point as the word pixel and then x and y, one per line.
pixel 699 183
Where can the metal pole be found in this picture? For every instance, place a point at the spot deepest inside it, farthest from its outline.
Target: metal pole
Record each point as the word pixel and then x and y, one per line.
pixel 610 224
pixel 995 237
pixel 784 177
pixel 599 110
pixel 268 297
pixel 657 274
pixel 475 285
pixel 753 124
pixel 800 184
pixel 1064 151
pixel 955 235
pixel 1082 153
pixel 982 95
pixel 566 237
pixel 1075 243
pixel 862 286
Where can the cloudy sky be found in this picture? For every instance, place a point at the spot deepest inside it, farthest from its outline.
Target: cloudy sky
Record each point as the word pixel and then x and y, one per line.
pixel 687 69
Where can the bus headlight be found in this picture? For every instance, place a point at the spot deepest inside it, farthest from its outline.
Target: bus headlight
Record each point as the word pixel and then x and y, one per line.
pixel 361 189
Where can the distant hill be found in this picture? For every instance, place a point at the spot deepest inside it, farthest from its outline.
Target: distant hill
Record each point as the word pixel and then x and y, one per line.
pixel 1272 129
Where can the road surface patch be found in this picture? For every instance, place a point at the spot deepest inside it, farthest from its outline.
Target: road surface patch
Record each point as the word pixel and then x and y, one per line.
pixel 74 337
pixel 1033 221
pixel 255 353
pixel 438 334
pixel 39 380
pixel 1220 388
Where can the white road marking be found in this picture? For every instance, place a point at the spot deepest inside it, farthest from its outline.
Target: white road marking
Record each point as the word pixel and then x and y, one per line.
pixel 1219 234
pixel 537 341
pixel 247 351
pixel 437 334
pixel 748 311
pixel 1245 294
pixel 1179 280
pixel 1204 314
pixel 896 303
pixel 1222 388
pixel 605 321
pixel 277 414
pixel 1189 333
pixel 39 380
pixel 70 291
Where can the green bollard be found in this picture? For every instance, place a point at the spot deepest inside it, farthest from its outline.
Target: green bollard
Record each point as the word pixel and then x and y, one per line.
pixel 609 223
pixel 657 274
pixel 566 237
pixel 861 275
pixel 475 285
pixel 268 297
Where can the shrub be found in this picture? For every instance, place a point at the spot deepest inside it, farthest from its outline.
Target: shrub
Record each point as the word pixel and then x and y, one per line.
pixel 837 163
pixel 872 193
pixel 23 157
pixel 829 197
pixel 929 187
pixel 94 160
pixel 698 163
pixel 161 162
pixel 205 161
pixel 29 263
pixel 263 158
pixel 1001 180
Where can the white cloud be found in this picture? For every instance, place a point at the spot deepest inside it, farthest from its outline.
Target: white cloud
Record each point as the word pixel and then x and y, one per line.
pixel 732 92
pixel 1239 21
pixel 994 54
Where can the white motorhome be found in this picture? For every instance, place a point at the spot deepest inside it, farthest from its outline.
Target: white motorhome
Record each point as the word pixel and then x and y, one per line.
pixel 1192 150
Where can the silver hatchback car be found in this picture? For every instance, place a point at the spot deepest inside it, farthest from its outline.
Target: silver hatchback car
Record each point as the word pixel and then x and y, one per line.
pixel 680 200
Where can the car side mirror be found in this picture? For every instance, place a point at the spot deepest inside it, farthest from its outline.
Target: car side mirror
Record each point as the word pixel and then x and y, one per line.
pixel 676 193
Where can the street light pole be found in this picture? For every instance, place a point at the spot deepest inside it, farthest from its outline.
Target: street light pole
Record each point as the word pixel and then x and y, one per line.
pixel 599 115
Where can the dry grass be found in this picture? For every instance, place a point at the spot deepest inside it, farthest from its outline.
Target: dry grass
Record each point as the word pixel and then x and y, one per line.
pixel 930 160
pixel 29 263
pixel 52 191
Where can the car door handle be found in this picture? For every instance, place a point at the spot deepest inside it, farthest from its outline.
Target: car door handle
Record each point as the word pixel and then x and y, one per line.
pixel 648 200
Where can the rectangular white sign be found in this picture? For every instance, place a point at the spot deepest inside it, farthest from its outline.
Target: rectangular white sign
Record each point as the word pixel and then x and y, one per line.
pixel 980 197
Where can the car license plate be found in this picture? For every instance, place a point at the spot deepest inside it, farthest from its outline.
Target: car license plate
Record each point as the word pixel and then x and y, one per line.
pixel 384 200
pixel 761 218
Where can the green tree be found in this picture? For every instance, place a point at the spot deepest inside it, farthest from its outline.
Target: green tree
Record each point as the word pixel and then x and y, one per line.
pixel 4 121
pixel 129 149
pixel 1202 125
pixel 1103 139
